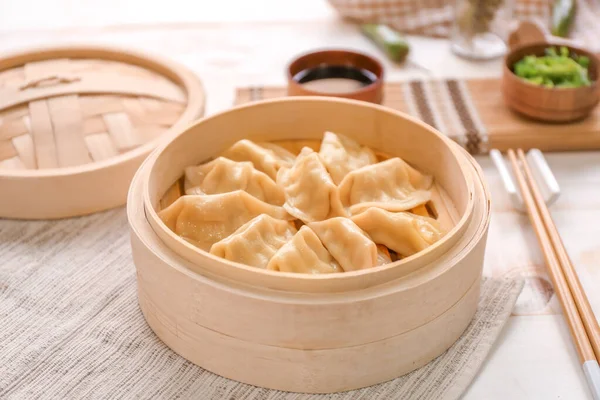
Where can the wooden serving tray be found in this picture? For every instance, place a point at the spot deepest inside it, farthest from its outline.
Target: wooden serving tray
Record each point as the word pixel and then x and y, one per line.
pixel 472 113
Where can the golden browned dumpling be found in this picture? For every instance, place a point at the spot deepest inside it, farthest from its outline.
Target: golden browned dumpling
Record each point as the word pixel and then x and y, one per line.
pixel 205 219
pixel 340 154
pixel 310 193
pixel 403 232
pixel 304 253
pixel 348 244
pixel 255 242
pixel 335 210
pixel 223 175
pixel 392 185
pixel 266 157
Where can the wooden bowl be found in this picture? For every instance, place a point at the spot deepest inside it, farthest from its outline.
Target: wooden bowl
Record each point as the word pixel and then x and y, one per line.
pixel 549 104
pixel 300 332
pixel 372 93
pixel 77 122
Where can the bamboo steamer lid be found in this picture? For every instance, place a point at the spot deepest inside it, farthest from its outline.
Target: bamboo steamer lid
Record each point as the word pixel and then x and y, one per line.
pixel 76 123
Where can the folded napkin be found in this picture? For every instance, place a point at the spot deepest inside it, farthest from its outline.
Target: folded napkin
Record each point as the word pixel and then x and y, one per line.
pixel 435 17
pixel 71 326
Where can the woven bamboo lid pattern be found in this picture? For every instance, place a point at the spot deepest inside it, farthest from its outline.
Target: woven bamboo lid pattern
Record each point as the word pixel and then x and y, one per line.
pixel 77 112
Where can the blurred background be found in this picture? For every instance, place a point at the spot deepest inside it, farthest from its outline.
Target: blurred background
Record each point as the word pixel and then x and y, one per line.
pixel 229 43
pixel 39 14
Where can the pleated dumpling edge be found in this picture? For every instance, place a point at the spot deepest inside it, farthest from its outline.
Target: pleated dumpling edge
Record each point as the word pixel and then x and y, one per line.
pixel 305 253
pixel 348 244
pixel 266 157
pixel 341 155
pixel 392 185
pixel 223 175
pixel 206 219
pixel 255 242
pixel 310 192
pixel 403 232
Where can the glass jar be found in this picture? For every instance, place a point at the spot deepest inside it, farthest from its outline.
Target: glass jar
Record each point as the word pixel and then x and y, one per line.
pixel 481 28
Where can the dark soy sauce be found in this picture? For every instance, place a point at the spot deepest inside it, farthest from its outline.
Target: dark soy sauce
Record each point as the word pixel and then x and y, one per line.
pixel 335 78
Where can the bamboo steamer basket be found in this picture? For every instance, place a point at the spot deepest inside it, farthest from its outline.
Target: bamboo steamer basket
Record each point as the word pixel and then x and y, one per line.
pixel 311 333
pixel 76 123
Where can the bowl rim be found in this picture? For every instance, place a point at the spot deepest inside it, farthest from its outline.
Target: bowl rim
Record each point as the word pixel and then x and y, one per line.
pixel 176 72
pixel 594 61
pixel 448 240
pixel 373 87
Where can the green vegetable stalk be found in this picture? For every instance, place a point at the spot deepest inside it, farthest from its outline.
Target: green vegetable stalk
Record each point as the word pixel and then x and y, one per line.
pixel 390 41
pixel 563 13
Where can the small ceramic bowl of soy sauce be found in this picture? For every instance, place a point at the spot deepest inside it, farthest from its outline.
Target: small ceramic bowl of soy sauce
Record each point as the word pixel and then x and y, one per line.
pixel 337 73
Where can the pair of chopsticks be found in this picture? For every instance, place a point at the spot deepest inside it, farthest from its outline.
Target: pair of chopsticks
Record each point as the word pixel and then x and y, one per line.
pixel 576 307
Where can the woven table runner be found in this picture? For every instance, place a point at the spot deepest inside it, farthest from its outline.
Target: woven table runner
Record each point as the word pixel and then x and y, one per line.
pixel 472 113
pixel 72 329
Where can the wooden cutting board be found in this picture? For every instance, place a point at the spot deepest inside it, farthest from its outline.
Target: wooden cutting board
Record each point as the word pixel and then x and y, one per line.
pixel 471 112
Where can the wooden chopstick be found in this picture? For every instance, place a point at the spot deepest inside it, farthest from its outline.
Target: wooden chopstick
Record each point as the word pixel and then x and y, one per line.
pixel 581 301
pixel 561 287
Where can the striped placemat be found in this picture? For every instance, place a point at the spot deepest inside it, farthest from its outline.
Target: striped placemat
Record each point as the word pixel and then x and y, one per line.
pixel 472 113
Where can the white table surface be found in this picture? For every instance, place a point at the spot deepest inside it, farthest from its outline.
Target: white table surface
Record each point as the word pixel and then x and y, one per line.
pixel 232 43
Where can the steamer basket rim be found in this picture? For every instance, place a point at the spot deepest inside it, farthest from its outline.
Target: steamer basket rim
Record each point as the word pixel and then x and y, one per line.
pixel 152 216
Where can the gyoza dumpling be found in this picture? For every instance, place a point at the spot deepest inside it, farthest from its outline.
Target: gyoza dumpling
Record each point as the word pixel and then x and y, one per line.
pixel 340 154
pixel 347 243
pixel 205 219
pixel 266 157
pixel 310 193
pixel 223 175
pixel 286 157
pixel 255 242
pixel 403 232
pixel 304 253
pixel 392 185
